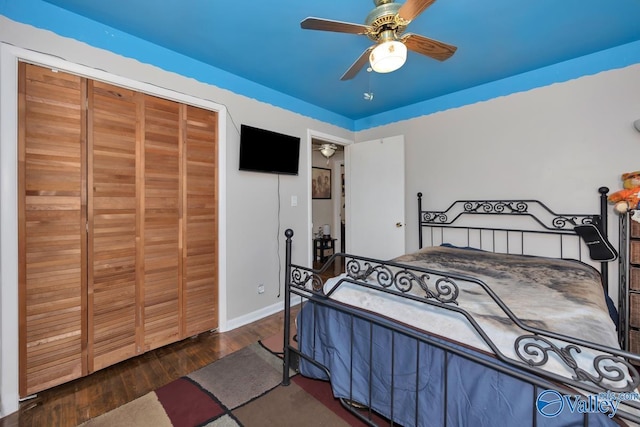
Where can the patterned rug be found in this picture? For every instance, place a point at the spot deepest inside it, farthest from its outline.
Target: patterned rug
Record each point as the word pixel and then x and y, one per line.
pixel 241 389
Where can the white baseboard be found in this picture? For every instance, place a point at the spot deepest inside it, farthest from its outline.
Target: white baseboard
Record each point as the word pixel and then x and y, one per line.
pixel 258 314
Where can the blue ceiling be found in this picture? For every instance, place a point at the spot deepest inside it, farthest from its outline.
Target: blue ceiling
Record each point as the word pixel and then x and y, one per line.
pixel 262 42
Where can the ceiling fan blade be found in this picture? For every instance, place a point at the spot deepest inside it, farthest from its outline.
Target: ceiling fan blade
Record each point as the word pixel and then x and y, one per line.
pixel 357 66
pixel 429 47
pixel 321 24
pixel 412 8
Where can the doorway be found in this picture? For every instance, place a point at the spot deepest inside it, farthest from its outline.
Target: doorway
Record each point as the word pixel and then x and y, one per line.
pixel 327 201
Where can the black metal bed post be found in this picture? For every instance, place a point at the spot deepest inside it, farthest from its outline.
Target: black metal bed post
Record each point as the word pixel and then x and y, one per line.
pixel 287 307
pixel 419 220
pixel 604 229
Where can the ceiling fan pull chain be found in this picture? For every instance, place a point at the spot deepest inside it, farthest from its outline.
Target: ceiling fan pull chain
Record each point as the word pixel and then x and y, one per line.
pixel 368 96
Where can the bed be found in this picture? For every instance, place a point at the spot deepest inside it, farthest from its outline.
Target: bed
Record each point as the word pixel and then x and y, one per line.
pixel 487 324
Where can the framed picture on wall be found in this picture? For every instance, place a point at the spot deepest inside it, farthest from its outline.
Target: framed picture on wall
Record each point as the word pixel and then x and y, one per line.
pixel 320 183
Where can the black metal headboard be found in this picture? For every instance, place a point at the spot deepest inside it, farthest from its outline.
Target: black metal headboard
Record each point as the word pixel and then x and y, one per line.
pixel 542 221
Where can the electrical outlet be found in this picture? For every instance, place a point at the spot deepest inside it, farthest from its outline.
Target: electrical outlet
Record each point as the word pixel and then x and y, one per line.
pixel 261 288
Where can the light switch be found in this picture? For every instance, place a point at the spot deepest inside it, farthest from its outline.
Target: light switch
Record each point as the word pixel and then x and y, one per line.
pixel 294 200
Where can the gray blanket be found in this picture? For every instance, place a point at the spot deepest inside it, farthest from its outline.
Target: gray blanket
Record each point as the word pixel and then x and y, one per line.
pixel 562 296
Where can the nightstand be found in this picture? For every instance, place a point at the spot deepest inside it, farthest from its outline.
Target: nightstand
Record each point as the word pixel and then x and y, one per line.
pixel 322 245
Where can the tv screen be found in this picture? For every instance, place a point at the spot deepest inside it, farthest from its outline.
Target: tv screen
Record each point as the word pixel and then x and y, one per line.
pixel 267 151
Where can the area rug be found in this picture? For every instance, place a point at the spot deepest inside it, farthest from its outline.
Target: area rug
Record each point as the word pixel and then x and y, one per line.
pixel 241 389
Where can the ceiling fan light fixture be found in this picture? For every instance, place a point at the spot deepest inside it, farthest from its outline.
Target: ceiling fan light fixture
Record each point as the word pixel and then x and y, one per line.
pixel 328 150
pixel 388 56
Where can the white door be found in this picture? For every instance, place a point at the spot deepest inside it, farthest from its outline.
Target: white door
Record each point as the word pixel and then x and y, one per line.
pixel 375 198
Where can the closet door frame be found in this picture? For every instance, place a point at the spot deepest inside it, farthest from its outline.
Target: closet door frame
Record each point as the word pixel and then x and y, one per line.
pixel 9 58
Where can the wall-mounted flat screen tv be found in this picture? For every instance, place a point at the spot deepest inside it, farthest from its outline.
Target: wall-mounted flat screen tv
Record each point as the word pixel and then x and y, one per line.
pixel 266 151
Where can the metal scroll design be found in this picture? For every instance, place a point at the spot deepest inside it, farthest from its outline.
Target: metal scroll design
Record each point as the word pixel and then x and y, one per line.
pixel 496 206
pixel 534 350
pixel 435 217
pixel 561 222
pixel 478 206
pixel 510 207
pixel 306 280
pixel 445 289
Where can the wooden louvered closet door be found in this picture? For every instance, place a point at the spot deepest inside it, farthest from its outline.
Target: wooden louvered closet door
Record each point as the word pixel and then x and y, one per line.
pixel 162 232
pixel 201 242
pixel 117 224
pixel 113 223
pixel 51 239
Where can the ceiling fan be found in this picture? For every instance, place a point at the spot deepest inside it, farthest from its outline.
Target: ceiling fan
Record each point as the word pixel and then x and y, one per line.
pixel 385 25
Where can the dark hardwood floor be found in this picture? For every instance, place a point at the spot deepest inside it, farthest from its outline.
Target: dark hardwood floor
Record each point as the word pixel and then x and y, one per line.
pixel 75 402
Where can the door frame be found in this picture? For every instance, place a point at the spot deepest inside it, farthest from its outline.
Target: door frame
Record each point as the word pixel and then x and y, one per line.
pixel 9 58
pixel 336 180
pixel 312 134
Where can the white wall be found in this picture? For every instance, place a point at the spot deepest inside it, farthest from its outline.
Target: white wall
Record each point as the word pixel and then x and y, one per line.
pixel 558 144
pixel 256 207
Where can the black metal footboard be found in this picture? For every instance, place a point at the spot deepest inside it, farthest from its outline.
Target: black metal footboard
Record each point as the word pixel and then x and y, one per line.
pixel 425 369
